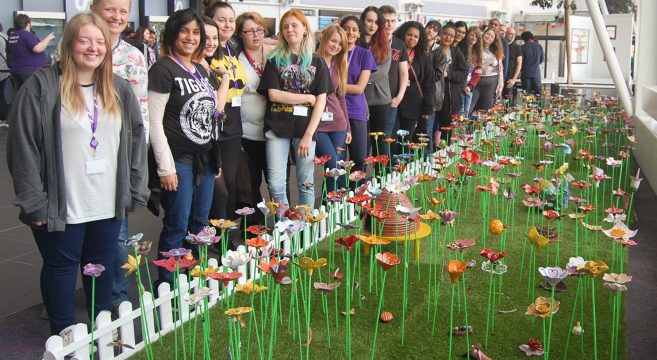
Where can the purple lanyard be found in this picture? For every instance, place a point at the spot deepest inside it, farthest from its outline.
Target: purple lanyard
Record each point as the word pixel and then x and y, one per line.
pixel 205 85
pixel 328 100
pixel 232 65
pixel 351 55
pixel 93 119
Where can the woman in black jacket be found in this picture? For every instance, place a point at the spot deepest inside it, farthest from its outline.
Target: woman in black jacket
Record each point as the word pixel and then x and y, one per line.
pixel 455 76
pixel 418 101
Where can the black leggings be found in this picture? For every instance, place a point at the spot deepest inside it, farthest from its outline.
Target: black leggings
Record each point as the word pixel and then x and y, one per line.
pixel 223 199
pixel 379 115
pixel 256 152
pixel 483 96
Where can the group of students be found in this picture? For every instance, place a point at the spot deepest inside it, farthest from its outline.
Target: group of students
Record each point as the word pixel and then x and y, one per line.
pixel 99 133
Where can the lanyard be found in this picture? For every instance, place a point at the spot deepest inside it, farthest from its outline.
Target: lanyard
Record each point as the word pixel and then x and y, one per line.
pixel 205 85
pixel 255 67
pixel 93 119
pixel 351 55
pixel 328 100
pixel 232 65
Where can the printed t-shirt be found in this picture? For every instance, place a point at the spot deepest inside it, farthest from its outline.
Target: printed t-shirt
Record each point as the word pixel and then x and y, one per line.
pixel 399 54
pixel 188 122
pixel 23 59
pixel 232 124
pixel 279 117
pixel 359 59
pixel 336 104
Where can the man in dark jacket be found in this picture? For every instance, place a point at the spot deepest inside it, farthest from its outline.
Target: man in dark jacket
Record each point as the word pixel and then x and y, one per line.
pixel 532 58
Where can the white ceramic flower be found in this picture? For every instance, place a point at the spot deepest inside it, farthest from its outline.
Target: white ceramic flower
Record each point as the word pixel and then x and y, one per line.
pixel 197 297
pixel 398 187
pixel 235 258
pixel 617 278
pixel 613 162
pixel 620 231
pixel 263 208
pixel 615 286
pixel 553 275
pixel 611 218
pixel 575 262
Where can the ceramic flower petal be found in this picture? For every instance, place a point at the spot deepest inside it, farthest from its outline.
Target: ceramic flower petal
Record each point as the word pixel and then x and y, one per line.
pixel 537 239
pixel 553 275
pixel 131 265
pixel 456 269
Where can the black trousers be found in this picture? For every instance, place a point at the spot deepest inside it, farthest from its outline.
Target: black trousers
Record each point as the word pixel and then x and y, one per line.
pixel 223 199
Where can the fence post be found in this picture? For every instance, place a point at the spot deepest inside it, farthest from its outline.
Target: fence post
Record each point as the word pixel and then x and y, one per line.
pixel 53 345
pixel 103 321
pixel 79 334
pixel 184 286
pixel 149 307
pixel 166 310
pixel 127 330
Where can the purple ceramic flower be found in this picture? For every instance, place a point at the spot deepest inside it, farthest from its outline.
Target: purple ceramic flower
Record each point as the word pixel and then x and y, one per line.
pixel 176 252
pixel 93 269
pixel 206 236
pixel 448 216
pixel 553 275
pixel 245 211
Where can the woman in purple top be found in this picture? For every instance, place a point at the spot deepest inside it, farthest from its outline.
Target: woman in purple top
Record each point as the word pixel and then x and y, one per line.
pixel 26 50
pixel 361 64
pixel 334 130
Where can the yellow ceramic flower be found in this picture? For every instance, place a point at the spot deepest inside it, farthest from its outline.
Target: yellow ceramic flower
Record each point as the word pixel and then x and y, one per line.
pixel 543 307
pixel 456 269
pixel 376 135
pixel 373 240
pixel 430 215
pixel 594 268
pixel 223 224
pixel 310 265
pixel 561 171
pixel 495 227
pixel 249 287
pixel 206 272
pixel 537 239
pixel 131 265
pixel 436 202
pixel 313 217
pixel 424 178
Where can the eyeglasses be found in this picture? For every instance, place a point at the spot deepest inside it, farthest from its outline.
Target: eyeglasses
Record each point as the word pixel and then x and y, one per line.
pixel 461 32
pixel 259 32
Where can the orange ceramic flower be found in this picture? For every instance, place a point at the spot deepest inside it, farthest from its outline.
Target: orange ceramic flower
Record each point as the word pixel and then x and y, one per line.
pixel 543 307
pixel 257 242
pixel 456 269
pixel 496 227
pixel 226 277
pixel 223 224
pixel 387 260
pixel 373 240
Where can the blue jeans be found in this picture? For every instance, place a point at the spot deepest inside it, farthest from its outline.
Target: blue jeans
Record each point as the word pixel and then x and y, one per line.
pixel 531 84
pixel 64 254
pixel 390 125
pixel 185 210
pixel 121 282
pixel 327 142
pixel 278 151
pixel 429 131
pixel 466 100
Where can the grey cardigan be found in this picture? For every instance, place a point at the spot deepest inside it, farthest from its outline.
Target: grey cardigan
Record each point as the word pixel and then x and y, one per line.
pixel 34 151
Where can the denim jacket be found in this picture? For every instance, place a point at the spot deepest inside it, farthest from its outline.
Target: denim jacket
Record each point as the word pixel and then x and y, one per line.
pixel 34 152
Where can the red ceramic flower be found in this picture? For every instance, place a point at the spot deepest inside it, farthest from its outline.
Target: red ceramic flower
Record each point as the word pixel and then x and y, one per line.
pixel 322 160
pixel 531 189
pixel 170 263
pixel 387 260
pixel 257 230
pixel 359 199
pixel 226 277
pixel 347 241
pixel 491 255
pixel 470 156
pixel 257 242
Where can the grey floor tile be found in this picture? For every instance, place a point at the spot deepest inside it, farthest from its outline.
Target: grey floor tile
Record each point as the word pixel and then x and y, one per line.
pixel 32 258
pixel 13 248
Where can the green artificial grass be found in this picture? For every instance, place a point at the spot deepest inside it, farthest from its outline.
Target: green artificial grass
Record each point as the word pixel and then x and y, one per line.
pixel 421 340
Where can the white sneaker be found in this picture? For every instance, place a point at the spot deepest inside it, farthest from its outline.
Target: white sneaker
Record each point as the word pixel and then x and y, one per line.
pixel 4 123
pixel 67 335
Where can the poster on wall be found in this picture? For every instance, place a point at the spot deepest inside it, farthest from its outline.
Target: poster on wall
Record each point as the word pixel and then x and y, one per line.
pixel 580 46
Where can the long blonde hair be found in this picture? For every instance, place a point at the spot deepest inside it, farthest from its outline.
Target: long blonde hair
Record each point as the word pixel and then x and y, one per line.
pixel 339 60
pixel 103 77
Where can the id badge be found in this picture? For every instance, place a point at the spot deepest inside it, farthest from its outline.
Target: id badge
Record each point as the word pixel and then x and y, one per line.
pixel 327 116
pixel 300 110
pixel 408 83
pixel 236 101
pixel 96 166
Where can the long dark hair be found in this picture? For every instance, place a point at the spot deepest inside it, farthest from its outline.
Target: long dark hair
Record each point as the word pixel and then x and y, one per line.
pixel 379 41
pixel 172 27
pixel 422 41
pixel 218 54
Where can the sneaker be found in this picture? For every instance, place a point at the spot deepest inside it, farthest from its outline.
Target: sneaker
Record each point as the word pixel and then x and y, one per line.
pixel 4 124
pixel 67 335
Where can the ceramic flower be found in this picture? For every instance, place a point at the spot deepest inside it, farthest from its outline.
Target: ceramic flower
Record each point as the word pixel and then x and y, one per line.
pixel 615 286
pixel 575 263
pixel 257 230
pixel 553 275
pixel 398 187
pixel 235 258
pixel 470 156
pixel 309 265
pixel 496 227
pixel 508 194
pixel 613 162
pixel 335 173
pixel 206 236
pixel 635 182
pixel 245 211
pixel 347 164
pixel 359 199
pixel 448 216
pixel 532 347
pixel 249 287
pixel 407 211
pixel 497 268
pixel 322 160
pixel 134 239
pixel 93 269
pixel 257 242
pixel 537 239
pixel 224 224
pixel 430 215
pixel 132 264
pixel 180 252
pixel 594 268
pixel 315 216
pixel 170 263
pixel 403 133
pixel 197 297
pixel 491 255
pixel 373 240
pixel 238 312
pixel 347 241
pixel 144 247
pixel 616 282
pixel 357 175
pixel 207 272
pixel 456 269
pixel 543 307
pixel 262 206
pixel 226 277
pixel 387 260
pixel 326 288
pixel 551 215
pixel 534 202
pixel 620 231
pixel 461 244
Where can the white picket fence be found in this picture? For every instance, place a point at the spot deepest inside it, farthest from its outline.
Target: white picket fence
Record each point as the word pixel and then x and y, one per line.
pixel 130 319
